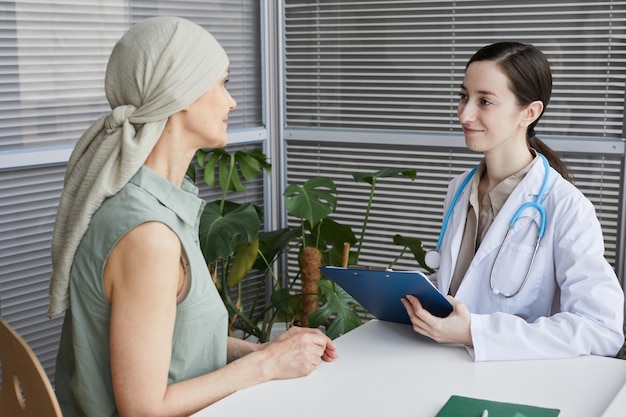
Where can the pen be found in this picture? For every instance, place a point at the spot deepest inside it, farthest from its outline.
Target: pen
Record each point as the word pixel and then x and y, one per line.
pixel 485 413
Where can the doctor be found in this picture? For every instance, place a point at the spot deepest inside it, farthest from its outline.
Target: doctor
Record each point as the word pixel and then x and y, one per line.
pixel 521 254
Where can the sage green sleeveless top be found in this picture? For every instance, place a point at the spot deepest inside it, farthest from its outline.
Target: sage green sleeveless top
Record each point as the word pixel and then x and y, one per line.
pixel 83 374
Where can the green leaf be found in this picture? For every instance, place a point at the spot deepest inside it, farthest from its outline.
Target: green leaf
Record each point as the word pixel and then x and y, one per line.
pixel 258 154
pixel 245 255
pixel 233 169
pixel 209 169
pixel 273 244
pixel 252 163
pixel 283 300
pixel 248 165
pixel 201 156
pixel 229 178
pixel 337 303
pixel 191 172
pixel 313 201
pixel 220 234
pixel 416 247
pixel 333 232
pixel 370 178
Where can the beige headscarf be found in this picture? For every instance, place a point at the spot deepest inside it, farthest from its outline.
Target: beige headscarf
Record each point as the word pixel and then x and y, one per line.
pixel 159 67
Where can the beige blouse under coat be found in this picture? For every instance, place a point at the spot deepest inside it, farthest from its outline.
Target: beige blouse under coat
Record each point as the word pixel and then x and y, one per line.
pixel 480 215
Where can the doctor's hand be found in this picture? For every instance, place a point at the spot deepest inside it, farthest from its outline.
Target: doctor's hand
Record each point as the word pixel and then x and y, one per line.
pixel 452 329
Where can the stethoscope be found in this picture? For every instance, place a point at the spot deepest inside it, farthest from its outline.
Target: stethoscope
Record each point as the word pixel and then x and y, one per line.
pixel 433 257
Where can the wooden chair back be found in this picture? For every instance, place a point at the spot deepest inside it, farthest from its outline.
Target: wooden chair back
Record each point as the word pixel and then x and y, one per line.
pixel 26 389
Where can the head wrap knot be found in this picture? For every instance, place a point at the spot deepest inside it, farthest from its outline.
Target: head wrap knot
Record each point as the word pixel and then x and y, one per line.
pixel 118 117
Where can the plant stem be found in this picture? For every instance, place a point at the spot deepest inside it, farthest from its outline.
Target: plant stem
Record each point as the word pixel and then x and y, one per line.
pixel 365 220
pixel 319 233
pixel 402 252
pixel 231 169
pixel 269 268
pixel 303 233
pixel 224 279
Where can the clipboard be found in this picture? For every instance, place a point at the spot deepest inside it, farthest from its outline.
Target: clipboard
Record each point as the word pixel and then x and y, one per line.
pixel 379 291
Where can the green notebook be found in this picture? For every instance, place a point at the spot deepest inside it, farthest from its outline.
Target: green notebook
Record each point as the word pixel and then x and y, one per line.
pixel 458 406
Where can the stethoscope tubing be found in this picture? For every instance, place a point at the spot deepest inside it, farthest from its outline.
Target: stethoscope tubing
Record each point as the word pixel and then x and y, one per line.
pixel 531 204
pixel 456 197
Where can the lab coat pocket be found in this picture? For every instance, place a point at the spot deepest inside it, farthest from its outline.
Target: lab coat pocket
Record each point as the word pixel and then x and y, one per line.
pixel 509 271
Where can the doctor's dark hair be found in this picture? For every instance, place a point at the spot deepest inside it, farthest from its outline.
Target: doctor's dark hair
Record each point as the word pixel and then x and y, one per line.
pixel 530 79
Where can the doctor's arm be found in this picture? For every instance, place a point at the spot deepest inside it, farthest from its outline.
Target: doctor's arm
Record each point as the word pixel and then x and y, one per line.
pixel 587 311
pixel 456 327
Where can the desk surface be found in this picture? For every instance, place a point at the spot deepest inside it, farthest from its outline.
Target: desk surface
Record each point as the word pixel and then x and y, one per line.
pixel 388 369
pixel 618 405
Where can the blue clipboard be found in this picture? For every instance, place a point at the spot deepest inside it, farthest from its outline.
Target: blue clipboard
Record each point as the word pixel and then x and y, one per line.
pixel 380 291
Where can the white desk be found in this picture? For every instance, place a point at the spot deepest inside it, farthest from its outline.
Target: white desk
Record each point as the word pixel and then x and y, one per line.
pixel 617 408
pixel 386 369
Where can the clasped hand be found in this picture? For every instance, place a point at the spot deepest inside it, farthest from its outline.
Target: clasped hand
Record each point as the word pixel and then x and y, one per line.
pixel 298 351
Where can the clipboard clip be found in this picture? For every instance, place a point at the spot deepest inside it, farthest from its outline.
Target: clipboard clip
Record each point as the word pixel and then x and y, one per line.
pixel 368 268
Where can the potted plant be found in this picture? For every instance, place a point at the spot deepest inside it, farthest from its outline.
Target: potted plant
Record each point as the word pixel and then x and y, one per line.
pixel 233 244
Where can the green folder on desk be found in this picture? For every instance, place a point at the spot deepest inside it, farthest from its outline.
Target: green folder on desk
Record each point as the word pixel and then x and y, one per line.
pixel 458 406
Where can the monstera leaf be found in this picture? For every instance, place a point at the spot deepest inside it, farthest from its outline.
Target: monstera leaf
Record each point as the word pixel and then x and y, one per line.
pixel 339 304
pixel 272 245
pixel 332 233
pixel 316 199
pixel 233 169
pixel 221 232
pixel 416 247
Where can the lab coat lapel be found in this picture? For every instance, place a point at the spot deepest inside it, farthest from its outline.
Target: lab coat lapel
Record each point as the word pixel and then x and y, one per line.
pixel 455 234
pixel 525 192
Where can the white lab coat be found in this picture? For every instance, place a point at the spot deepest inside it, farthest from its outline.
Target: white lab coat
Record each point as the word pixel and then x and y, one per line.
pixel 572 303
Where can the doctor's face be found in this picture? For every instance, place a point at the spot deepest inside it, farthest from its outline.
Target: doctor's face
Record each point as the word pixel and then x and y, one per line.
pixel 488 110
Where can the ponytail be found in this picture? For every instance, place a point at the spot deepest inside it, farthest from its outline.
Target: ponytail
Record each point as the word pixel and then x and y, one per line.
pixel 553 159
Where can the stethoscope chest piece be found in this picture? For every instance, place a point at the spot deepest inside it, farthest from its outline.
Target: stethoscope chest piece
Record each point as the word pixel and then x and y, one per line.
pixel 432 259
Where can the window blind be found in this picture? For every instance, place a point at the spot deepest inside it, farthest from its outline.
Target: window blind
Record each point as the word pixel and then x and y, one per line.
pixel 415 208
pixel 399 64
pixel 374 84
pixel 53 56
pixel 28 202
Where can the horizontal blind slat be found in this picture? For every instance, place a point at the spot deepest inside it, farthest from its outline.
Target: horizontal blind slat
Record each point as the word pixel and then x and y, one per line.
pixel 348 49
